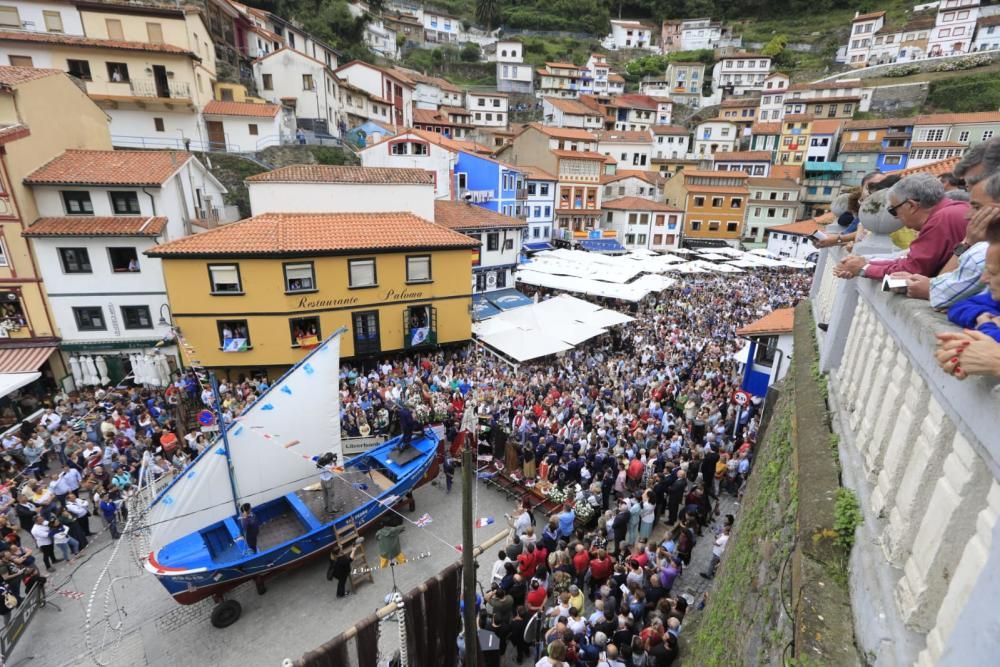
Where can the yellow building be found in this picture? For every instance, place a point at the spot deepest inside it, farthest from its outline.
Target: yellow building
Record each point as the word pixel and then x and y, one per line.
pixel 251 297
pixel 31 134
pixel 793 144
pixel 714 203
pixel 235 92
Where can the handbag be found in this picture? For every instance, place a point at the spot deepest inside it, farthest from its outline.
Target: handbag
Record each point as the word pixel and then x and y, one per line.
pixel 9 600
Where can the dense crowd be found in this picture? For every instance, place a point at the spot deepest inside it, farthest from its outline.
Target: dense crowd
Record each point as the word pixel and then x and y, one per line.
pixel 635 434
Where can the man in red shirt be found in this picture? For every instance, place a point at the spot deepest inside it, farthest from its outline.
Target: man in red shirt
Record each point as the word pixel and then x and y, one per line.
pixel 634 472
pixel 601 567
pixel 581 562
pixel 535 599
pixel 526 562
pixel 918 201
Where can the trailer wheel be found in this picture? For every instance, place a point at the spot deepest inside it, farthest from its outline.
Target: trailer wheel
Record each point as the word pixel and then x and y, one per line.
pixel 226 613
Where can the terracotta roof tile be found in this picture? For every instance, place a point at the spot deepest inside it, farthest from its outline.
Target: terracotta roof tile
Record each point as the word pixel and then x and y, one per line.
pixel 934 168
pixel 624 137
pixel 322 173
pixel 670 129
pixel 861 147
pixel 305 234
pixel 536 174
pixel 802 227
pixel 878 123
pixel 740 102
pixel 582 155
pixel 451 144
pixel 73 40
pixel 564 132
pixel 826 126
pixel 637 204
pixel 741 156
pixel 564 65
pixel 617 78
pixel 777 321
pixel 82 225
pixel 867 17
pixel 707 173
pixel 460 215
pixel 87 167
pixel 651 177
pixel 572 107
pixel 956 118
pixel 13 132
pixel 634 101
pixel 12 76
pixel 217 108
pixel 765 128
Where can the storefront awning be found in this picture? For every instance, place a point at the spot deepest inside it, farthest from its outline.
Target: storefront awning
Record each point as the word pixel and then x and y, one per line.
pixel 508 299
pixel 11 381
pixel 24 359
pixel 537 247
pixel 481 308
pixel 602 245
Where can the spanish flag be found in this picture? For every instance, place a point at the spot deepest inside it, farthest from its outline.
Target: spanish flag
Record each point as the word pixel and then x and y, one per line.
pixel 308 341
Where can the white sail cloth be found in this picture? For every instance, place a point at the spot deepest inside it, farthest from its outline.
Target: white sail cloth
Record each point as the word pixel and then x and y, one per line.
pixel 303 406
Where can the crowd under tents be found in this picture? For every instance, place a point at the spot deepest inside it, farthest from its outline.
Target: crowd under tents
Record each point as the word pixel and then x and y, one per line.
pixel 547 327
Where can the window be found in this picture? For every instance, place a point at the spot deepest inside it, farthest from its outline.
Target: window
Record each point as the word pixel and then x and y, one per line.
pixel 307 82
pixel 79 68
pixel 124 203
pixel 987 134
pixel 299 277
pixel 717 202
pixel 75 260
pixel 158 125
pixel 267 81
pixel 137 317
pixel 737 202
pixel 361 273
pixel 89 318
pixel 305 331
pixel 893 159
pixel 123 260
pixel 118 72
pixel 418 269
pixel 252 128
pixel 10 18
pixel 699 201
pixel 493 241
pixel 77 202
pixel 696 225
pixel 21 61
pixel 234 335
pixel 963 136
pixel 53 21
pixel 114 27
pixel 155 33
pixel 3 254
pixel 543 189
pixel 713 225
pixel 225 278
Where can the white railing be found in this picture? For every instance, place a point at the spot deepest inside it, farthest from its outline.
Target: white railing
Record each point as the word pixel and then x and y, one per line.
pixel 922 451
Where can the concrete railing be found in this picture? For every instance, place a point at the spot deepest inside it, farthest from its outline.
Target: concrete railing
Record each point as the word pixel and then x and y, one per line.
pixel 922 451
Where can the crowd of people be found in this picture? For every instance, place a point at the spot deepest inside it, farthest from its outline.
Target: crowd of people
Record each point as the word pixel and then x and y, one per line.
pixel 635 432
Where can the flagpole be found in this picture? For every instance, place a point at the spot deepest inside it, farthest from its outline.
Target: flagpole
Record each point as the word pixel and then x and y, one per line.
pixel 468 563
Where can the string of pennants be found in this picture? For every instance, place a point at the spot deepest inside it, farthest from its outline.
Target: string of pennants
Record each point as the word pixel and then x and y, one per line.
pixel 366 570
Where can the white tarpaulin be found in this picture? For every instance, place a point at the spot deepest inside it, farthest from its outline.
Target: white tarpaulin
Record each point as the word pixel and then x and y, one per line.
pixel 12 381
pixel 626 292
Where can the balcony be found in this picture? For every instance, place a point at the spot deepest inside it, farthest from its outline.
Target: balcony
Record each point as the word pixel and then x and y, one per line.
pixel 521 194
pixel 163 89
pixel 920 450
pixel 475 196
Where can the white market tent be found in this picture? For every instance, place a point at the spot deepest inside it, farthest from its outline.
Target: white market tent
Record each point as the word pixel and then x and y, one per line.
pixel 547 327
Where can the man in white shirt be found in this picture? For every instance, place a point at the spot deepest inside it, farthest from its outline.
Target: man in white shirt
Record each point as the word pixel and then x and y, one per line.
pixel 50 420
pixel 499 567
pixel 717 550
pixel 40 531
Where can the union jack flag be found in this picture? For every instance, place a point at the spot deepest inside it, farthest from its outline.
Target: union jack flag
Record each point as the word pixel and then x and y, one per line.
pixel 423 521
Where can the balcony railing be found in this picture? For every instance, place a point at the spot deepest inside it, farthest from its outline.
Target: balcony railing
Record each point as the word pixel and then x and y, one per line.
pixel 168 89
pixel 920 448
pixel 521 194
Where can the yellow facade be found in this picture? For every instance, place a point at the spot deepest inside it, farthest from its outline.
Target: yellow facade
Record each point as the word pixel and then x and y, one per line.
pixel 273 316
pixel 47 135
pixel 714 203
pixel 235 92
pixel 794 141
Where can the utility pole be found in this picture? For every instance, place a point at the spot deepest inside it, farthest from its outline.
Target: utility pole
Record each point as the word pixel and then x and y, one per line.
pixel 468 565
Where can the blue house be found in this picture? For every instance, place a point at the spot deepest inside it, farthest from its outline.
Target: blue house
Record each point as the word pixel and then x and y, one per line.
pixel 491 184
pixel 895 148
pixel 767 355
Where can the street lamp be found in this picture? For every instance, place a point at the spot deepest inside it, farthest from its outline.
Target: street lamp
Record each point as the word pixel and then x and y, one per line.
pixel 166 320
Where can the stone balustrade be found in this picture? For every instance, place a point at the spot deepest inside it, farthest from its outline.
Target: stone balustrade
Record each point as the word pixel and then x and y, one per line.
pixel 922 451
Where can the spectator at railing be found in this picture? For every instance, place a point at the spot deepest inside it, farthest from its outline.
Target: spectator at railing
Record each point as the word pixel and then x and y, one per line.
pixel 978 162
pixel 982 312
pixel 961 276
pixel 919 202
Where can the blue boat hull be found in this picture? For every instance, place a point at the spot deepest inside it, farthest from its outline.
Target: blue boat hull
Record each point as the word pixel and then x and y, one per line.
pixel 194 579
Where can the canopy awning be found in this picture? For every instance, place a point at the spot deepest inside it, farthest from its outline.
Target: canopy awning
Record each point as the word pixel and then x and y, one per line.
pixel 11 381
pixel 536 247
pixel 602 245
pixel 481 308
pixel 24 359
pixel 508 299
pixel 824 167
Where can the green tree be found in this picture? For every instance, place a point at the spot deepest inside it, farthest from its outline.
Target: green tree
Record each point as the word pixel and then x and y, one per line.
pixel 776 46
pixel 487 12
pixel 470 52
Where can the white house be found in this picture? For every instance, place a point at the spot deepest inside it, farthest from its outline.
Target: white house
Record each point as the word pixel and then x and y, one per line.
pixel 431 92
pixel 98 212
pixel 773 202
pixel 715 135
pixel 772 106
pixel 630 149
pixel 393 87
pixel 754 163
pixel 441 28
pixel 627 34
pixel 487 109
pixel 563 112
pixel 513 76
pixel 540 204
pixel 737 73
pixel 634 183
pixel 641 223
pixel 419 149
pixel 501 238
pixel 640 112
pixel 792 240
pixel 697 34
pixel 987 34
pixel 863 29
pixel 954 28
pixel 564 80
pixel 302 83
pixel 246 127
pixel 305 188
pixel 670 142
pixel 52 16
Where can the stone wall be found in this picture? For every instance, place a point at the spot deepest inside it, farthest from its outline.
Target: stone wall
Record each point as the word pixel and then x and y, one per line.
pixel 900 99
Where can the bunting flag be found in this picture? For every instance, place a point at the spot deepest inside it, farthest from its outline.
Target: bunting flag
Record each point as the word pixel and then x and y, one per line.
pixel 485 521
pixel 423 521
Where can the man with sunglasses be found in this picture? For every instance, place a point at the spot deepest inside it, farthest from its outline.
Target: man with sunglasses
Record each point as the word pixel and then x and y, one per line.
pixel 919 202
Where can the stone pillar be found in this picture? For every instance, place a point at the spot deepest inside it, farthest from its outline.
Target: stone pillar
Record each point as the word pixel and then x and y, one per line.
pixel 898 367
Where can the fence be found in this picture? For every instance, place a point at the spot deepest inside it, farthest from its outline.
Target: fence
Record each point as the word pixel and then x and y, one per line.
pixel 15 626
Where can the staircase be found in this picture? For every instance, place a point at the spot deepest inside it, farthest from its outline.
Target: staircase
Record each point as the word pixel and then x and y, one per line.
pixel 347 536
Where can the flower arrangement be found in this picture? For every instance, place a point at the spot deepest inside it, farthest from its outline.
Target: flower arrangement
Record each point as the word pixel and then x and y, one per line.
pixel 557 495
pixel 422 413
pixel 584 512
pixel 441 408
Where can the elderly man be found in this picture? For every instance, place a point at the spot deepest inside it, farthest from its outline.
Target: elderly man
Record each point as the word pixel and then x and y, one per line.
pixel 920 204
pixel 960 277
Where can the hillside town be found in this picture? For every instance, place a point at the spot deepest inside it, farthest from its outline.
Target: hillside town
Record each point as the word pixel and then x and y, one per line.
pixel 572 286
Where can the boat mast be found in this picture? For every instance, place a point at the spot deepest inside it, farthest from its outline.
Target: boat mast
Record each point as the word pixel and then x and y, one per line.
pixel 217 399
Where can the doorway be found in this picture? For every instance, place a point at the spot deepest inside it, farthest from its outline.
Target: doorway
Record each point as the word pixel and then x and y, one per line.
pixel 216 135
pixel 366 333
pixel 161 81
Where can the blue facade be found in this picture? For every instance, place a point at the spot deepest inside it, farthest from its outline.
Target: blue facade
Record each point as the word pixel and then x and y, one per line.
pixel 482 175
pixel 895 149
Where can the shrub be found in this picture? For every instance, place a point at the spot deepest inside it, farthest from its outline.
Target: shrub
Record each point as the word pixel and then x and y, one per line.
pixel 847 517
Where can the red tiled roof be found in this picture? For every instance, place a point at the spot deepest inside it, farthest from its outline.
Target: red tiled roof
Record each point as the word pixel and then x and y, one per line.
pixel 617 78
pixel 651 177
pixel 637 204
pixel 867 17
pixel 761 182
pixel 82 225
pixel 13 132
pixel 634 101
pixel 715 174
pixel 322 173
pixel 826 126
pixel 304 234
pixel 461 215
pixel 89 167
pixel 582 155
pixel 535 174
pixel 571 106
pixel 937 144
pixel 669 129
pixel 564 65
pixel 934 168
pixel 802 227
pixel 956 118
pixel 778 321
pixel 739 156
pixel 217 108
pixel 624 137
pixel 799 118
pixel 74 40
pixel 765 128
pixel 564 132
pixel 740 102
pixel 878 123
pixel 12 76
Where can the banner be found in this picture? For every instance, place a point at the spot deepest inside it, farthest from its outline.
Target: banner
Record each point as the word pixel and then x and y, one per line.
pixel 354 446
pixel 418 335
pixel 234 345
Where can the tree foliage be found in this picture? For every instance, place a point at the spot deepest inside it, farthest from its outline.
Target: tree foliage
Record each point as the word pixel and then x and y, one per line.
pixel 487 12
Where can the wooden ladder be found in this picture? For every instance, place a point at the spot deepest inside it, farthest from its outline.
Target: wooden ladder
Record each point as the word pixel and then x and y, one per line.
pixel 347 536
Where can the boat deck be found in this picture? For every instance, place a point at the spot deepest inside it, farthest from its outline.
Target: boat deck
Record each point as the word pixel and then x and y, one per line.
pixel 347 497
